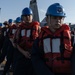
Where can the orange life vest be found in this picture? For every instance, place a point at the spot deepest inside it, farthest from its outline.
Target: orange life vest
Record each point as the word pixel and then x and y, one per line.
pixel 56 49
pixel 27 34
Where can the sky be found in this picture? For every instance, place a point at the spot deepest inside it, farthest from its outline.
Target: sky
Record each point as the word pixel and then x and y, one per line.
pixel 11 9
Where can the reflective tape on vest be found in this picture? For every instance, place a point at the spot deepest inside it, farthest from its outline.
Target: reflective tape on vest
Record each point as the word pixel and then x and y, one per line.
pixel 55 45
pixel 13 31
pixel 25 32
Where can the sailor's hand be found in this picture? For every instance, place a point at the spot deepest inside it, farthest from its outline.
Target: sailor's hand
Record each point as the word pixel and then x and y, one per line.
pixel 27 54
pixel 24 52
pixel 14 45
pixel 11 39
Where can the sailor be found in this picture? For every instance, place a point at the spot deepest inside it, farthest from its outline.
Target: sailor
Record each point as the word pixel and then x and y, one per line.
pixel 52 50
pixel 8 49
pixel 27 32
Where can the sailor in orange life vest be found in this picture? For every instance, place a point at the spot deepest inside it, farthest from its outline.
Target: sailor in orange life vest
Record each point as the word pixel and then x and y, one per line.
pixel 26 33
pixel 9 52
pixel 52 50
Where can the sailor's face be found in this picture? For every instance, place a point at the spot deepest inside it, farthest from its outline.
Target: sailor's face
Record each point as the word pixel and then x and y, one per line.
pixel 27 18
pixel 55 22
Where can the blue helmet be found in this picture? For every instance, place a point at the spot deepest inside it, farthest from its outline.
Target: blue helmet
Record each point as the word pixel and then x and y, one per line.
pixel 55 10
pixel 27 11
pixel 10 21
pixel 18 19
pixel 0 24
